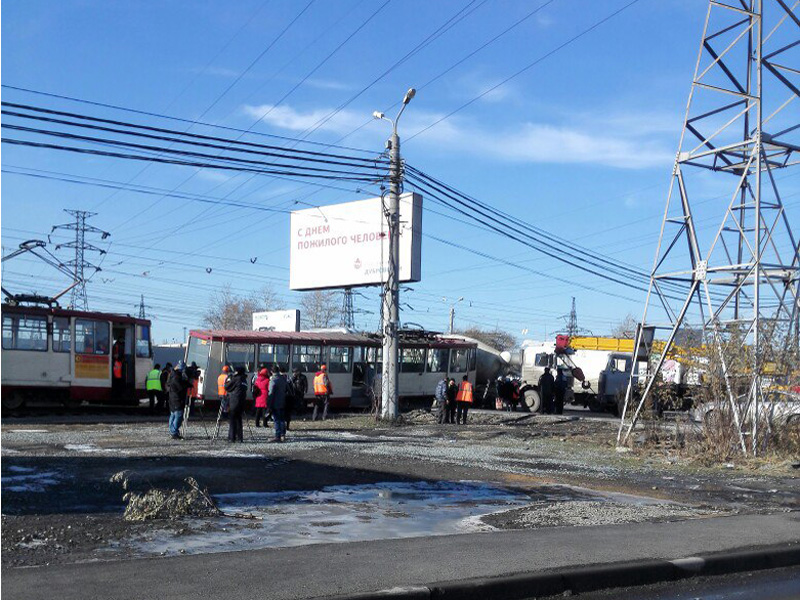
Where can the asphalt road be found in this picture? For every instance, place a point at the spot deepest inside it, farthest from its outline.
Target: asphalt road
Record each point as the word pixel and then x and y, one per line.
pixel 330 569
pixel 778 584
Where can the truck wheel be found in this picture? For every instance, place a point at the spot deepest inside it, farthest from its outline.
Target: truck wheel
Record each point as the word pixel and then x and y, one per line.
pixel 595 405
pixel 13 401
pixel 533 400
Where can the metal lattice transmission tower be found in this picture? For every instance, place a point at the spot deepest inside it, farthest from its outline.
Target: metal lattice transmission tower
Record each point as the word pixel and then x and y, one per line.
pixel 572 321
pixel 734 255
pixel 79 264
pixel 142 307
pixel 348 312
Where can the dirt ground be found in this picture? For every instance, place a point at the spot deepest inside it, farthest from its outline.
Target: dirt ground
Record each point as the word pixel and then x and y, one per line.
pixel 58 504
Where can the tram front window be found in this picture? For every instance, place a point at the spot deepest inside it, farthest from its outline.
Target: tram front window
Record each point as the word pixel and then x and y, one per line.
pixel 198 352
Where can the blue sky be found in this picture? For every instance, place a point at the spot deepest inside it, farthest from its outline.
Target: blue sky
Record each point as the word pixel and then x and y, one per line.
pixel 581 144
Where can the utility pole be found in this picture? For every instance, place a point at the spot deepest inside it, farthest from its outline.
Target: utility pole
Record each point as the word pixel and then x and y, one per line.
pixel 390 309
pixel 79 264
pixel 739 284
pixel 452 327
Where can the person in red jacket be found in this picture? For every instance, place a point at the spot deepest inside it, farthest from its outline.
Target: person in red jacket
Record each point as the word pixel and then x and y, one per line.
pixel 260 392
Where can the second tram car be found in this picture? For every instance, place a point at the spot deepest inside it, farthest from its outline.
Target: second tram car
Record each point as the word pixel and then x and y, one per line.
pixel 353 360
pixel 68 356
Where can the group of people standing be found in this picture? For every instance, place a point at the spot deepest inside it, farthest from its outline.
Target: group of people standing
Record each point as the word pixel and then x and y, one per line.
pixel 277 397
pixel 453 401
pixel 552 391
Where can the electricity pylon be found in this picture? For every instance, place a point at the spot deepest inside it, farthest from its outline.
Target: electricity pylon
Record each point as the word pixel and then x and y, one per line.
pixel 79 264
pixel 739 279
pixel 348 312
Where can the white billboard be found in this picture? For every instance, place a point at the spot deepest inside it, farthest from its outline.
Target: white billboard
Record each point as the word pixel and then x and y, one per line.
pixel 277 320
pixel 347 245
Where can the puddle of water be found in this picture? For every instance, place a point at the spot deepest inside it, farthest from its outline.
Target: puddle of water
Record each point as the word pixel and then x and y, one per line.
pixel 338 514
pixel 26 479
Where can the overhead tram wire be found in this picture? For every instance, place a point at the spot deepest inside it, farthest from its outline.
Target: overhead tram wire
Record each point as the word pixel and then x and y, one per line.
pixel 267 149
pixel 483 213
pixel 459 16
pixel 454 65
pixel 193 80
pixel 183 120
pixel 526 68
pixel 298 164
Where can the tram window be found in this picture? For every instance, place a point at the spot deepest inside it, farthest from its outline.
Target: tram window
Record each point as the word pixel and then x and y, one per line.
pixel 373 356
pixel 459 360
pixel 62 338
pixel 25 332
pixel 412 360
pixel 473 358
pixel 437 360
pixel 198 352
pixel 241 355
pixel 143 342
pixel 273 354
pixel 91 337
pixel 339 359
pixel 306 357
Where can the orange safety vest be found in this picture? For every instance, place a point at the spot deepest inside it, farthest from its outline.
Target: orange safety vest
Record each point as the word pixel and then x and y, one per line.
pixel 320 384
pixel 117 369
pixel 465 392
pixel 221 384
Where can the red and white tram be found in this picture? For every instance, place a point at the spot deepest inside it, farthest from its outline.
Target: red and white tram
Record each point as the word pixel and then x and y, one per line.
pixel 353 361
pixel 68 356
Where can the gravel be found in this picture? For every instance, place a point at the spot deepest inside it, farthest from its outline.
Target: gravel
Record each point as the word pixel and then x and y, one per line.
pixel 588 513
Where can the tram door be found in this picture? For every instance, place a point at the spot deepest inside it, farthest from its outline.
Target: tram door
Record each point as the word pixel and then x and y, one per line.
pixel 123 371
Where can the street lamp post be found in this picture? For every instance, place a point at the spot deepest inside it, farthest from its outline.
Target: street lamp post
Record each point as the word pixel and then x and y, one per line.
pixel 390 310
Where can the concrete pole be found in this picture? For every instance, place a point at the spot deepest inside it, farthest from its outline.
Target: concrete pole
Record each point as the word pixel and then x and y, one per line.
pixel 452 318
pixel 390 405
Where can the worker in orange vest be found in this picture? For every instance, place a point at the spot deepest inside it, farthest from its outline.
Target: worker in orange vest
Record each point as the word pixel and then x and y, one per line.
pixel 223 395
pixel 322 393
pixel 463 401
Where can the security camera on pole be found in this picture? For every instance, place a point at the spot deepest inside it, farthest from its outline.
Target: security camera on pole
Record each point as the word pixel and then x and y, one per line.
pixel 390 305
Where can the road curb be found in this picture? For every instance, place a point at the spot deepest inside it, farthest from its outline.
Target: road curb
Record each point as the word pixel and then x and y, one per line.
pixel 595 577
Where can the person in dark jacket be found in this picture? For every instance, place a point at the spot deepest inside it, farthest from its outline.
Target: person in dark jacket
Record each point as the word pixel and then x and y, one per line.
pixel 560 388
pixel 440 401
pixel 300 384
pixel 291 400
pixel 276 402
pixel 164 397
pixel 547 391
pixel 236 386
pixel 452 392
pixel 177 384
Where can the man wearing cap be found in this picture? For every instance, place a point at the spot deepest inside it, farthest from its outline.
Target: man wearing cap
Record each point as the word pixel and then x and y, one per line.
pixel 322 393
pixel 177 384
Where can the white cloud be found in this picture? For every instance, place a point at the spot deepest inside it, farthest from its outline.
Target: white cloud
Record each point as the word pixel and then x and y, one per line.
pixel 327 84
pixel 634 146
pixel 624 140
pixel 286 117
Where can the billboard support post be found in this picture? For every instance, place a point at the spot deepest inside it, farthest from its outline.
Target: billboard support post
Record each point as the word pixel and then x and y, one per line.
pixel 390 306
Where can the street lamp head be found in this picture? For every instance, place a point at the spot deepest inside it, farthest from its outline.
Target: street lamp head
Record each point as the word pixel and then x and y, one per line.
pixel 377 114
pixel 409 95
